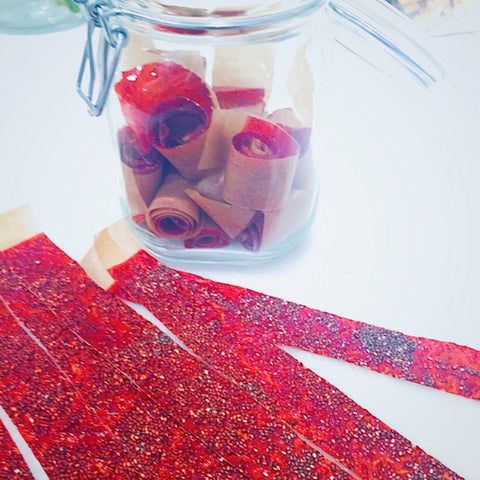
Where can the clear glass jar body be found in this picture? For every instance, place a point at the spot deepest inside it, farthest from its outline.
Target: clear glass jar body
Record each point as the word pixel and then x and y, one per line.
pixel 212 112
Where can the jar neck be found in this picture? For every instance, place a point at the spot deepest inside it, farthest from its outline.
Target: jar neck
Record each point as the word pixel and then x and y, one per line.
pixel 216 18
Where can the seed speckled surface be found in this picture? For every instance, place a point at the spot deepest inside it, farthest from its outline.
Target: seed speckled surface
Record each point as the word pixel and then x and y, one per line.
pixel 61 430
pixel 212 408
pixel 219 332
pixel 12 464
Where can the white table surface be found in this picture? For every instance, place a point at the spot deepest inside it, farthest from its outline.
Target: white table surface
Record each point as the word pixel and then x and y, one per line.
pixel 395 242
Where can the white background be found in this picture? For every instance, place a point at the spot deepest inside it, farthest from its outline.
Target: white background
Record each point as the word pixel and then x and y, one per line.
pixel 396 241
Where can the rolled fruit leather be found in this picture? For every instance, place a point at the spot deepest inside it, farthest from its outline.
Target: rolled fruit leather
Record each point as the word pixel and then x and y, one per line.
pixel 142 174
pixel 172 214
pixel 194 78
pixel 206 88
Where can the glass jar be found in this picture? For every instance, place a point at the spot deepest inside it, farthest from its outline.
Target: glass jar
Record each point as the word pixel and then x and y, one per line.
pixel 38 16
pixel 215 114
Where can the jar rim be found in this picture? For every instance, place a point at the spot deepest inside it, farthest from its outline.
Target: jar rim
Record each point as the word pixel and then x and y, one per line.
pixel 217 14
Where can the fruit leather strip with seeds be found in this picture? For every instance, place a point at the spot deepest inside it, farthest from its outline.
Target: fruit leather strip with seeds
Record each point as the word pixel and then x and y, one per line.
pixel 270 436
pixel 208 405
pixel 137 421
pixel 133 416
pixel 182 453
pixel 12 464
pixel 314 407
pixel 438 364
pixel 64 435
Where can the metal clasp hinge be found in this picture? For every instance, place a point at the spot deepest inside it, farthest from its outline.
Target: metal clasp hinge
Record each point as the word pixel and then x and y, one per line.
pixel 112 40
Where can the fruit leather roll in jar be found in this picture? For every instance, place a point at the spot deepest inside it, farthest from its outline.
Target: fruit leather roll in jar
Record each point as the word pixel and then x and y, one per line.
pixel 209 235
pixel 207 194
pixel 142 174
pixel 261 166
pixel 170 108
pixel 224 92
pixel 270 227
pixel 172 214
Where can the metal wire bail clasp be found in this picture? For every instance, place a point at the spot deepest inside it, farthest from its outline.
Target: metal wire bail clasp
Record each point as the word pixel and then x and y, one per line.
pixel 112 39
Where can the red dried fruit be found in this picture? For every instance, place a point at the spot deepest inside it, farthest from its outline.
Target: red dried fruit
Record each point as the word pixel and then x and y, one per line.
pixel 152 95
pixel 176 121
pixel 288 120
pixel 442 365
pixel 172 214
pixel 438 364
pixel 244 98
pixel 261 166
pixel 262 139
pixel 65 436
pixel 181 31
pixel 301 136
pixel 142 163
pixel 218 412
pixel 133 417
pixel 212 325
pixel 12 464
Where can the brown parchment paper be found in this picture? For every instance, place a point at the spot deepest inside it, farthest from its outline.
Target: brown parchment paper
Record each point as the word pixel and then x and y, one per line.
pixel 172 213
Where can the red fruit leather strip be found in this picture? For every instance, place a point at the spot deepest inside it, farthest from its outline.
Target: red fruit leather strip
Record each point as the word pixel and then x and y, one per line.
pixel 229 97
pixel 12 464
pixel 193 310
pixel 442 365
pixel 251 236
pixel 215 410
pixel 135 419
pixel 438 364
pixel 65 436
pixel 287 119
